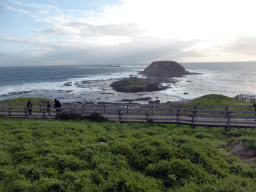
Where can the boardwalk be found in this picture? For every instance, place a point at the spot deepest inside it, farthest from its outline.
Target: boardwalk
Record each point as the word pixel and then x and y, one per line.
pixel 180 114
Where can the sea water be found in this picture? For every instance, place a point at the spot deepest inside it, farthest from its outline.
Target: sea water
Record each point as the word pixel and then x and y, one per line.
pixel 227 78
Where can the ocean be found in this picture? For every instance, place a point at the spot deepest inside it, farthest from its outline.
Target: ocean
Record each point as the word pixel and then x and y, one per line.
pixel 90 83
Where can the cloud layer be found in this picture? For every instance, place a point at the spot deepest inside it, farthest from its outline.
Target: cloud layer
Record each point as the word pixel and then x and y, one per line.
pixel 132 32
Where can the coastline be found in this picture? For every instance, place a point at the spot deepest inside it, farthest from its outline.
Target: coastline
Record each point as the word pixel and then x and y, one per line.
pixel 100 91
pixel 93 91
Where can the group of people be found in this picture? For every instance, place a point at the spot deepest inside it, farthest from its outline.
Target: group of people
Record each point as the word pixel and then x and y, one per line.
pixel 57 105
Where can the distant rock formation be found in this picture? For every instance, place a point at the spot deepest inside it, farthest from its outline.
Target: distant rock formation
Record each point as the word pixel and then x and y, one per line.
pixel 165 69
pixel 157 73
pixel 134 85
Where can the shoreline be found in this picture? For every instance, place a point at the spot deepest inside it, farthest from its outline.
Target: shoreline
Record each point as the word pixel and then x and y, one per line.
pixel 93 91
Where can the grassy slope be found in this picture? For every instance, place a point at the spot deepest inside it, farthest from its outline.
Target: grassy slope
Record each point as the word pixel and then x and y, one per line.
pixel 51 155
pixel 218 100
pixel 24 100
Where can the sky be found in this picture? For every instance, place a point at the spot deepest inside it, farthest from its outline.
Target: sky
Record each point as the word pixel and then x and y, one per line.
pixel 62 32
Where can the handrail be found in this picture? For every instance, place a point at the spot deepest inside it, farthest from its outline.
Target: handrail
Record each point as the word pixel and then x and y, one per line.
pixel 141 113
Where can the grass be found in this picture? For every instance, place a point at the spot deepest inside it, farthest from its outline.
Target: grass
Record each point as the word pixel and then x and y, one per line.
pixel 19 103
pixel 57 155
pixel 215 99
pixel 133 83
pixel 24 100
pixel 218 100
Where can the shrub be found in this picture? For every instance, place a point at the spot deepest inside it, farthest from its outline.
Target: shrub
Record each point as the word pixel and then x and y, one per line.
pixel 68 116
pixel 203 135
pixel 52 184
pixel 95 117
pixel 32 173
pixel 150 122
pixel 175 172
pixel 130 181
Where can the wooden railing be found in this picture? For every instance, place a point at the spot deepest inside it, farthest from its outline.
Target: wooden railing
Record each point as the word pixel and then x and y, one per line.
pixel 180 114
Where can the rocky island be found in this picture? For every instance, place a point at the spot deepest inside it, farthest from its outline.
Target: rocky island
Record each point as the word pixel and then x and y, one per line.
pixel 164 69
pixel 134 85
pixel 156 73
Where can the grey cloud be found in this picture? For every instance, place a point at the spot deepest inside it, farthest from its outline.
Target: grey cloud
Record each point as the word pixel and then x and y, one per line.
pixel 192 53
pixel 244 44
pixel 126 53
pixel 88 30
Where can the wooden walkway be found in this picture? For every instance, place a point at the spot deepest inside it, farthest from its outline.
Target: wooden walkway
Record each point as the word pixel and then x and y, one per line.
pixel 180 114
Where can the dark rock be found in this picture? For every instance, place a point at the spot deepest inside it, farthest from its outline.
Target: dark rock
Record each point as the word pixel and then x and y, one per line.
pixel 185 93
pixel 68 84
pixel 138 99
pixel 69 91
pixel 165 69
pixel 133 85
pixel 154 102
pixel 85 82
pixel 143 99
pixel 107 93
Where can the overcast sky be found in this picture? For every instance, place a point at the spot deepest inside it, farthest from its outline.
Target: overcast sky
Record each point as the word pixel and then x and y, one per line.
pixel 49 32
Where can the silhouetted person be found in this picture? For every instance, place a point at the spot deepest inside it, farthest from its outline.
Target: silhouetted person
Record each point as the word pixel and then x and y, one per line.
pixel 57 105
pixel 29 106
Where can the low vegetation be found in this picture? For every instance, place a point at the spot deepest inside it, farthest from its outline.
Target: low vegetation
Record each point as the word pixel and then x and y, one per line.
pixel 95 117
pixel 215 99
pixel 24 100
pixel 81 155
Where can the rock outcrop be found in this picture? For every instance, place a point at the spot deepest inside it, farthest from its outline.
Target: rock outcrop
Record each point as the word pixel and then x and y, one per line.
pixel 156 73
pixel 165 69
pixel 134 85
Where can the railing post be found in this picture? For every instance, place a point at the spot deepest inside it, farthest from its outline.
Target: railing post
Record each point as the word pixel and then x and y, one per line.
pixel 228 123
pixel 152 108
pixel 193 119
pixel 10 111
pixel 147 115
pixel 26 113
pixel 127 108
pixel 73 109
pixel 119 115
pixel 104 108
pixel 40 108
pixel 178 114
pixel 43 113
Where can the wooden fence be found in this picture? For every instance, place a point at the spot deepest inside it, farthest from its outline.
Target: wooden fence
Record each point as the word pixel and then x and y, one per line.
pixel 180 114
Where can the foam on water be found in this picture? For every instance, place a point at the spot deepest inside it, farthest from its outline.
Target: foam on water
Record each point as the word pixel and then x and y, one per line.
pixel 229 79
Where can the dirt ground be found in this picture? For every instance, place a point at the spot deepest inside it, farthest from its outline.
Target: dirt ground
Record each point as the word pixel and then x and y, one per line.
pixel 239 150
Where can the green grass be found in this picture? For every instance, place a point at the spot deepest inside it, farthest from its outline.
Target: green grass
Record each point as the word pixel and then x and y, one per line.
pixel 24 100
pixel 218 100
pixel 215 99
pixel 56 155
pixel 134 83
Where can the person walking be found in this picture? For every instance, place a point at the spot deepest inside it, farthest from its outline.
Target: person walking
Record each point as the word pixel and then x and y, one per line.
pixel 57 105
pixel 48 107
pixel 29 107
